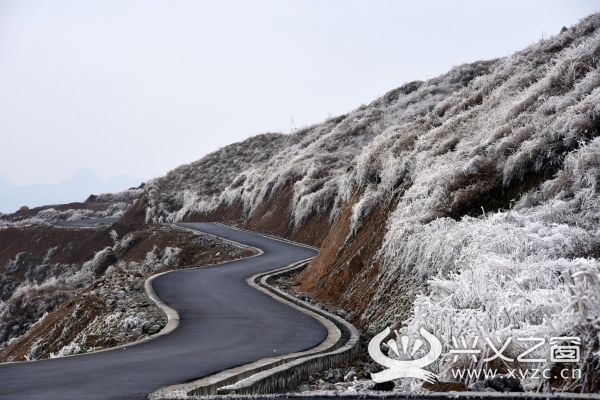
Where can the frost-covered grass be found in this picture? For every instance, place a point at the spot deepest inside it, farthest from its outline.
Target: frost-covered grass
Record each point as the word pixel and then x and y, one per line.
pixel 526 264
pixel 314 158
pixel 506 275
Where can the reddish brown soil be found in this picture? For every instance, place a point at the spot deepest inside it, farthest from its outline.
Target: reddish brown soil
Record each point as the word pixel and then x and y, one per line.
pixel 134 218
pixel 75 245
pixel 344 274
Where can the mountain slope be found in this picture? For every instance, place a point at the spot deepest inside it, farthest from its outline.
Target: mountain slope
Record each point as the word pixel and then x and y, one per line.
pixel 467 204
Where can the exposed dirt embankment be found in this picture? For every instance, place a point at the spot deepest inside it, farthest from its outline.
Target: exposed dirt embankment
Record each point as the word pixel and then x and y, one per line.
pixel 76 245
pixel 134 218
pixel 344 272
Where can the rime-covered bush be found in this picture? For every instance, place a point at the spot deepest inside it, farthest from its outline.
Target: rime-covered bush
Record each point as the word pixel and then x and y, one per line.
pixel 126 242
pixel 126 196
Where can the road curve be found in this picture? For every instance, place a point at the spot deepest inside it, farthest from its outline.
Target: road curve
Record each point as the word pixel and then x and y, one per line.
pixel 224 323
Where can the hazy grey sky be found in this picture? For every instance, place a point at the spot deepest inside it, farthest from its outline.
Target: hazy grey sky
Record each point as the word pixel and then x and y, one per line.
pixel 140 87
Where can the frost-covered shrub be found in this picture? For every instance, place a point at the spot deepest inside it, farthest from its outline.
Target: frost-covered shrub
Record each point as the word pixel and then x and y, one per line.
pixel 101 261
pixel 155 259
pixel 171 256
pixel 46 286
pixel 126 242
pixel 126 196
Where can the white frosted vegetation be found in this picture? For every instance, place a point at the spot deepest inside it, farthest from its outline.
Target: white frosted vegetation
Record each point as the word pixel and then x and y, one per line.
pixel 314 159
pixel 531 268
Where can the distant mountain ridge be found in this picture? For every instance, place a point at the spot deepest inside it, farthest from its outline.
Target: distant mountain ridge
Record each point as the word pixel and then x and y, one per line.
pixel 75 189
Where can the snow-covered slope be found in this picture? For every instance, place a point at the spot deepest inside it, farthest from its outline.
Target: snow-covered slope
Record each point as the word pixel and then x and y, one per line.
pixel 479 190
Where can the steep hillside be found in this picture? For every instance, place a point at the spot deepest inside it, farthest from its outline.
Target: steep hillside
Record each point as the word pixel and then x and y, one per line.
pixel 467 204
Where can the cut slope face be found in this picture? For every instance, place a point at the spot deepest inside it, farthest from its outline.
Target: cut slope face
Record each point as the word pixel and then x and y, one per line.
pixel 467 204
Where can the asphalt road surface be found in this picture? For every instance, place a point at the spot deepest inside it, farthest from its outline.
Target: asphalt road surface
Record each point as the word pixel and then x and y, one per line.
pixel 224 323
pixel 86 223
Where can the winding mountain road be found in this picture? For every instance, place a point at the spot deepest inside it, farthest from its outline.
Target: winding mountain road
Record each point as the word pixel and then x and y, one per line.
pixel 224 323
